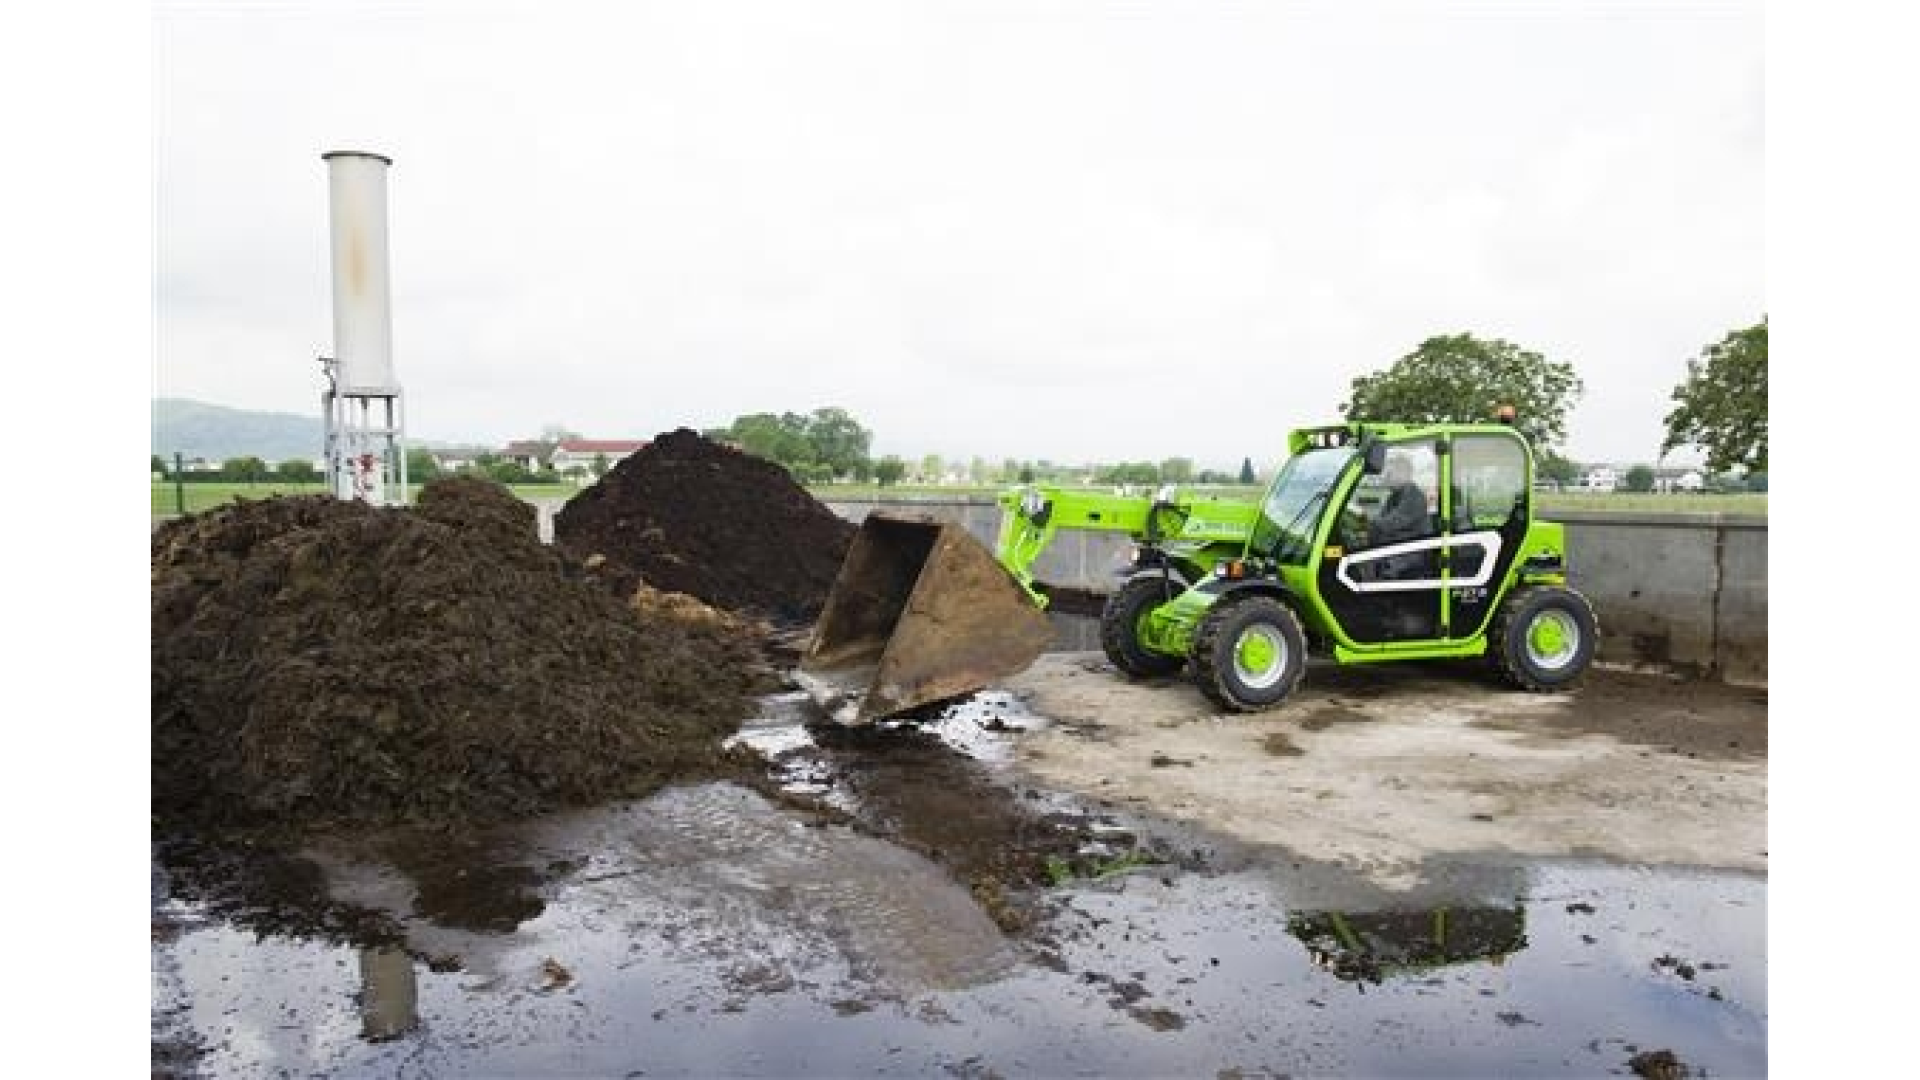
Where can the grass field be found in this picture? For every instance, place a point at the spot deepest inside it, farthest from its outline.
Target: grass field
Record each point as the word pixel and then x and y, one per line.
pixel 205 496
pixel 1744 503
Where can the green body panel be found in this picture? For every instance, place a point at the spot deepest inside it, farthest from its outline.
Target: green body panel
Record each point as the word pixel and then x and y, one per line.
pixel 1169 628
pixel 1190 527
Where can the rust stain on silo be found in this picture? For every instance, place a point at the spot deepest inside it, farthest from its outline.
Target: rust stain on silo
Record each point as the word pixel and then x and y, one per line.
pixel 356 262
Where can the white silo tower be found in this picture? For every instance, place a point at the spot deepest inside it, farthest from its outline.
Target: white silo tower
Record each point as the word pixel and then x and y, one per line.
pixel 366 446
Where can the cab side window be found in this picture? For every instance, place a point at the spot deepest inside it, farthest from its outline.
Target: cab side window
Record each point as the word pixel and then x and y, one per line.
pixel 1489 481
pixel 1397 504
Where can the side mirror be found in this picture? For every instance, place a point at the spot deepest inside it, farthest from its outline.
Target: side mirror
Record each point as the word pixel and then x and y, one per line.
pixel 1375 454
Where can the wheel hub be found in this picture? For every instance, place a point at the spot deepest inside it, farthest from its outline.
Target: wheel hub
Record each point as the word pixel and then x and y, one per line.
pixel 1259 657
pixel 1552 639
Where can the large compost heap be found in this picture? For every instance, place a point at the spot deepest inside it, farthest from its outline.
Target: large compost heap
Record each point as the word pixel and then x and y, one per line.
pixel 319 662
pixel 690 515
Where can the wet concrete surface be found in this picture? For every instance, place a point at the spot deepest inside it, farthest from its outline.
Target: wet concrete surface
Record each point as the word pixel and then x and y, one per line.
pixel 897 901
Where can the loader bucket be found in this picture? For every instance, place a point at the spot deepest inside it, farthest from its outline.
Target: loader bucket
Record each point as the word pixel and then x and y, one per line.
pixel 920 611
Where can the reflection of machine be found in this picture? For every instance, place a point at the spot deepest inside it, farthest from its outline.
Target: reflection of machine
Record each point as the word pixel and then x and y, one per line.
pixel 1370 945
pixel 389 995
pixel 1236 593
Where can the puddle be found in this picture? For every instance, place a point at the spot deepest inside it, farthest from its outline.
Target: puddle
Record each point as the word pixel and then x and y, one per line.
pixel 711 933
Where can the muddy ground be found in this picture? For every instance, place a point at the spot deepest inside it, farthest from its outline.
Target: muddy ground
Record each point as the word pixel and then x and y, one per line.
pixel 1402 872
pixel 1381 769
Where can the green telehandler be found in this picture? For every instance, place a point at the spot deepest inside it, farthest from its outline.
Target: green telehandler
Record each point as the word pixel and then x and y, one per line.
pixel 1374 542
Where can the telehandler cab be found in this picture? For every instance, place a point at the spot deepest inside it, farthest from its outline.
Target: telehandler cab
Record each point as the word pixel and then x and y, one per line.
pixel 1374 542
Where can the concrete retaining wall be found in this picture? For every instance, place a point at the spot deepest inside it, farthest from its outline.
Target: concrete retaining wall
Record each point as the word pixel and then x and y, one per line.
pixel 1683 590
pixel 1686 591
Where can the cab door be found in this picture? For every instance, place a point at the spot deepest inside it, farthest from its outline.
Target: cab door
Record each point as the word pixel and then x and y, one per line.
pixel 1489 506
pixel 1383 589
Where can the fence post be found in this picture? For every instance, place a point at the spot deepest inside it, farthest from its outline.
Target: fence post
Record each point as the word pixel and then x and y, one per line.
pixel 179 485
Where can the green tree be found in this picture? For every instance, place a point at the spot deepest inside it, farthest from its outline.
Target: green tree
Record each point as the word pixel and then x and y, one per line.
pixel 811 473
pixel 1722 405
pixel 1640 479
pixel 932 468
pixel 835 439
pixel 422 466
pixel 781 439
pixel 1463 379
pixel 1128 472
pixel 888 470
pixel 599 466
pixel 1549 465
pixel 507 472
pixel 1177 470
pixel 298 471
pixel 830 436
pixel 1246 470
pixel 1026 474
pixel 160 466
pixel 246 470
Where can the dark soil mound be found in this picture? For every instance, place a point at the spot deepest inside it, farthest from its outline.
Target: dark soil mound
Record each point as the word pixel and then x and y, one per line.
pixel 325 662
pixel 689 515
pixel 482 506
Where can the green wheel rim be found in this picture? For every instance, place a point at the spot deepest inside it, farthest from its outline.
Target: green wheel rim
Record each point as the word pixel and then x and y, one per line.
pixel 1552 640
pixel 1259 657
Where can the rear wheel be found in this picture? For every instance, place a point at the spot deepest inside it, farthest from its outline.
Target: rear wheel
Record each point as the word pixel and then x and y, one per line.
pixel 1120 627
pixel 1543 637
pixel 1249 654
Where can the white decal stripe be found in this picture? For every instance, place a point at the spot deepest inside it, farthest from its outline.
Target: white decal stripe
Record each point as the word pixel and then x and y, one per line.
pixel 1488 540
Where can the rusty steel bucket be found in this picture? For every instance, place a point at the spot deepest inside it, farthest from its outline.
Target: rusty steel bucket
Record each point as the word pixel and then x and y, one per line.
pixel 920 612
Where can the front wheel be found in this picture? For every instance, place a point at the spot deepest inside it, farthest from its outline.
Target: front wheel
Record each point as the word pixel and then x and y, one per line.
pixel 1543 637
pixel 1249 654
pixel 1120 627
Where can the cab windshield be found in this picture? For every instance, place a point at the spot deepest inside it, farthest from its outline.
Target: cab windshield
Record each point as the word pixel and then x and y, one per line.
pixel 1293 504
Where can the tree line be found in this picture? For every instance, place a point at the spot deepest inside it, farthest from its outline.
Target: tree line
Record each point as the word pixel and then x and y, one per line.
pixel 1720 407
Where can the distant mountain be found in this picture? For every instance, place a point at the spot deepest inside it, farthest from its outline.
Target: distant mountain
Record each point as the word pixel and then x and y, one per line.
pixel 215 432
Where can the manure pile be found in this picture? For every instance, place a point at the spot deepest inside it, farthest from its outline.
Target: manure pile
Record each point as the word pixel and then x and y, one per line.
pixel 318 662
pixel 689 515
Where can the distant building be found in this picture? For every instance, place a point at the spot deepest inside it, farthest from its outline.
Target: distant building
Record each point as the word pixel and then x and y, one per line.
pixel 1672 478
pixel 1599 478
pixel 456 458
pixel 582 453
pixel 1666 478
pixel 526 453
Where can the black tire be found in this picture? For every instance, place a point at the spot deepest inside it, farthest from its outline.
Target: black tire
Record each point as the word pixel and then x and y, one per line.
pixel 1228 663
pixel 1543 637
pixel 1120 626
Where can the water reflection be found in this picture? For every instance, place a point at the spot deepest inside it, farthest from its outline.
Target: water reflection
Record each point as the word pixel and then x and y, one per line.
pixel 1369 946
pixel 389 994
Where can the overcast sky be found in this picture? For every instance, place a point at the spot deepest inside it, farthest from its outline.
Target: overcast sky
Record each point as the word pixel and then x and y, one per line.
pixel 1061 231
